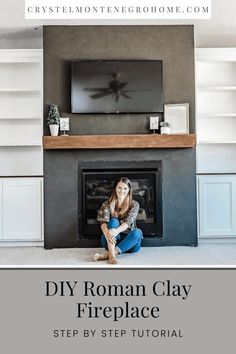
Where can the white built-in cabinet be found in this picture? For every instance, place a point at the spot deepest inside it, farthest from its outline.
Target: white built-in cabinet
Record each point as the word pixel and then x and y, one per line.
pixel 21 210
pixel 21 151
pixel 216 141
pixel 217 205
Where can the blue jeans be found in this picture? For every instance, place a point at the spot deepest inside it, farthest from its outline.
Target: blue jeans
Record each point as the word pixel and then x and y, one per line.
pixel 130 242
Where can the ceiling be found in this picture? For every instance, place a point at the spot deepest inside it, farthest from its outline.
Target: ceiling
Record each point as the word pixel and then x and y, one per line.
pixel 220 31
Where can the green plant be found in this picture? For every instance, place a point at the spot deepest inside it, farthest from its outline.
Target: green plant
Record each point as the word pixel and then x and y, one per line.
pixel 164 124
pixel 53 115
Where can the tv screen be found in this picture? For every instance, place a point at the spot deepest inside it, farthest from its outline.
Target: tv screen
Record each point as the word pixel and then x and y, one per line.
pixel 127 86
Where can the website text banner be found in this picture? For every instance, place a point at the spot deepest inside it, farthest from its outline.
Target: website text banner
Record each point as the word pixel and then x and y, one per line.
pixel 117 9
pixel 106 311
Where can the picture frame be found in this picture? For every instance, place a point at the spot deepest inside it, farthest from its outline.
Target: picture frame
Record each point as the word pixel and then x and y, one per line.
pixel 64 125
pixel 177 115
pixel 154 123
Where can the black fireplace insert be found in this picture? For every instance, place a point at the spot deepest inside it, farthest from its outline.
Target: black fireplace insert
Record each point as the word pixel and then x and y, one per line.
pixel 95 186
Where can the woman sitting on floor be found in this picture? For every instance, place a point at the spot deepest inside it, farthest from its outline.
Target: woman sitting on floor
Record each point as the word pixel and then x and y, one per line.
pixel 117 217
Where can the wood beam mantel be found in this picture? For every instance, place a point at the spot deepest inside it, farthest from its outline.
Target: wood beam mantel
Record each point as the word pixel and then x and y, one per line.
pixel 133 141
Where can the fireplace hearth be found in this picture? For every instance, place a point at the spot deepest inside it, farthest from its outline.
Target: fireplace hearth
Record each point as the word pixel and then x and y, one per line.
pixel 95 182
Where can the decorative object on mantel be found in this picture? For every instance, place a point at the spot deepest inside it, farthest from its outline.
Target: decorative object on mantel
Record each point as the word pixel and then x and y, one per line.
pixel 154 124
pixel 177 115
pixel 165 127
pixel 64 125
pixel 53 119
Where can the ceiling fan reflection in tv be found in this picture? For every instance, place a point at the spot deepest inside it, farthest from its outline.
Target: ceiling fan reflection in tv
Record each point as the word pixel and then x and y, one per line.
pixel 127 86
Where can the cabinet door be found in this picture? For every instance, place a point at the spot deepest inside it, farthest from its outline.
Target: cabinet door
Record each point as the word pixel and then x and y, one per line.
pixel 22 209
pixel 217 205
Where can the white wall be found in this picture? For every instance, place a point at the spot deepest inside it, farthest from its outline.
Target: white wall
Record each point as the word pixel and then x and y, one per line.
pixel 219 31
pixel 26 43
pixel 30 38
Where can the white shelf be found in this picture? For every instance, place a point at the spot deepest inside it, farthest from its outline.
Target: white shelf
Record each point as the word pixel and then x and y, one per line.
pixel 21 144
pixel 215 115
pixel 215 74
pixel 2 91
pixel 216 102
pixel 217 130
pixel 21 104
pixel 216 55
pixel 216 110
pixel 21 151
pixel 21 161
pixel 216 158
pixel 21 117
pixel 216 146
pixel 200 142
pixel 21 56
pixel 217 88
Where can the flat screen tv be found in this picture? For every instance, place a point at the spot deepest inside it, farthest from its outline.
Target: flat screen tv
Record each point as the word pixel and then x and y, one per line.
pixel 111 86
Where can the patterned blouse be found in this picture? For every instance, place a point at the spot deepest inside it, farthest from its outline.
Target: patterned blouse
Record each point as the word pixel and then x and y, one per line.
pixel 104 215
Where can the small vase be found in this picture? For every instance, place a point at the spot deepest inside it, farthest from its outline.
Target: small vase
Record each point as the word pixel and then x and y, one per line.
pixel 54 129
pixel 165 130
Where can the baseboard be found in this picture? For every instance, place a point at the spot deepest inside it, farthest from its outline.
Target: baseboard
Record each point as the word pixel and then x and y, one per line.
pixel 21 244
pixel 217 240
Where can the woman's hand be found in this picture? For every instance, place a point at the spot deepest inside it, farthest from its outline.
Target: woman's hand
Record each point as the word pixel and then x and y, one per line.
pixel 111 235
pixel 114 232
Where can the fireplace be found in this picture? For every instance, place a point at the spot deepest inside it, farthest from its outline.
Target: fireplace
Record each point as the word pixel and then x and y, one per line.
pixel 96 184
pixel 99 137
pixel 68 172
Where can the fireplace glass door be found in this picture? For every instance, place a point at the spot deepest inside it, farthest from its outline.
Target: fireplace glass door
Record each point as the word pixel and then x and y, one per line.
pixel 96 189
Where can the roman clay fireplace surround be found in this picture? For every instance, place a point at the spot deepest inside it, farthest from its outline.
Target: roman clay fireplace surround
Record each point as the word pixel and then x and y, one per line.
pixel 79 169
pixel 81 178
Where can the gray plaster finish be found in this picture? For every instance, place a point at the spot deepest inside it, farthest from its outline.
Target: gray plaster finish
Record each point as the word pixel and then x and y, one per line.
pixel 62 192
pixel 172 44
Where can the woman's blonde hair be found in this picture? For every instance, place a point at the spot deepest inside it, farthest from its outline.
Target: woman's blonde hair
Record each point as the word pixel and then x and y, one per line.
pixel 127 203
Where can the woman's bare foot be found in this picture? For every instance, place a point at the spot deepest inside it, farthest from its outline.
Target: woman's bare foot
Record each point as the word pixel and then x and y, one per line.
pixel 112 260
pixel 101 256
pixel 112 253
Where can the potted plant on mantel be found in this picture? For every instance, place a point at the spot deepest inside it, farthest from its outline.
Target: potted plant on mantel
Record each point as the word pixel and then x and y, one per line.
pixel 53 119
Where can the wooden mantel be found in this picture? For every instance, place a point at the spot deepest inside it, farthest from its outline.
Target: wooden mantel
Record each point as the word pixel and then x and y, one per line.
pixel 132 141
